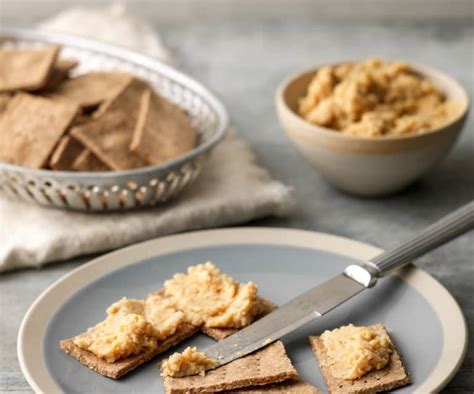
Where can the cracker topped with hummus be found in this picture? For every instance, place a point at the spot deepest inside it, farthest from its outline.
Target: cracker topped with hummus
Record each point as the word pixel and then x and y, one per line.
pixel 203 297
pixel 359 360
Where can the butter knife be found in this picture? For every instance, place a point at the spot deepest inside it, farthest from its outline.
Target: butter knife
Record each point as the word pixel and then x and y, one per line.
pixel 324 297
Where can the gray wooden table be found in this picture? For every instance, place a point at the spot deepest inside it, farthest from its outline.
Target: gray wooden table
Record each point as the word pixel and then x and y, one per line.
pixel 243 61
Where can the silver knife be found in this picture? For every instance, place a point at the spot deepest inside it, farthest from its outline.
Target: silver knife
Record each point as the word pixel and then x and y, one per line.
pixel 324 297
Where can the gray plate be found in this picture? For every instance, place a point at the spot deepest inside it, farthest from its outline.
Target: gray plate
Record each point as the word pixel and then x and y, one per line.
pixel 280 271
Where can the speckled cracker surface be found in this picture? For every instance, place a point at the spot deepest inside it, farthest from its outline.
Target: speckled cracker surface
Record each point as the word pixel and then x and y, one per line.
pixel 91 89
pixel 120 368
pixel 109 136
pixel 388 378
pixel 268 365
pixel 26 69
pixel 220 333
pixel 292 387
pixel 31 126
pixel 163 131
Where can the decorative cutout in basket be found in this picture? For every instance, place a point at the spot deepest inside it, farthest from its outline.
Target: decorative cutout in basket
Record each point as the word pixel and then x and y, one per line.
pixel 118 190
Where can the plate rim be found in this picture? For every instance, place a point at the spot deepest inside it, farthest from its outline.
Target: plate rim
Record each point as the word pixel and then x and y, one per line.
pixel 30 349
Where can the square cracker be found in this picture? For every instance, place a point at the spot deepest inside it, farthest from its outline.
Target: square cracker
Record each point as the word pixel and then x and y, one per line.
pixel 31 126
pixel 91 89
pixel 268 365
pixel 291 387
pixel 220 333
pixel 120 368
pixel 87 161
pixel 163 131
pixel 109 136
pixel 67 150
pixel 388 378
pixel 26 69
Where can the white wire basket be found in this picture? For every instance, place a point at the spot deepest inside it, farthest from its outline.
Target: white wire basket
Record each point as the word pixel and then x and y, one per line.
pixel 118 190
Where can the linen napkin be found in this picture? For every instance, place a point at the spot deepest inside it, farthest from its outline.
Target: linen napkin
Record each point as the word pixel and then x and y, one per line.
pixel 227 192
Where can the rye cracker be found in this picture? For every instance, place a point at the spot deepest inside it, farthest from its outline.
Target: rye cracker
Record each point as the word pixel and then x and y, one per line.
pixel 59 73
pixel 388 378
pixel 26 69
pixel 31 126
pixel 163 131
pixel 4 100
pixel 220 333
pixel 119 368
pixel 109 136
pixel 268 365
pixel 67 150
pixel 87 161
pixel 91 89
pixel 291 387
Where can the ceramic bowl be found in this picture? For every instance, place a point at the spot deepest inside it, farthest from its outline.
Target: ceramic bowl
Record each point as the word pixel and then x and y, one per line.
pixel 369 166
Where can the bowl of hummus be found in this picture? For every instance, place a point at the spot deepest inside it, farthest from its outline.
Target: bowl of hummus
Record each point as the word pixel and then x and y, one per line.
pixel 372 127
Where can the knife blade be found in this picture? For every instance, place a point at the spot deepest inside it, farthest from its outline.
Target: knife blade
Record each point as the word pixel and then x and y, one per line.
pixel 296 313
pixel 322 298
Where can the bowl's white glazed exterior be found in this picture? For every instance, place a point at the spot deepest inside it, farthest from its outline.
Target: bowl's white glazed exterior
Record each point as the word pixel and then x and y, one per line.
pixel 369 166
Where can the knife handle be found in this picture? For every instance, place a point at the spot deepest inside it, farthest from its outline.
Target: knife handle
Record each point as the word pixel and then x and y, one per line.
pixel 440 232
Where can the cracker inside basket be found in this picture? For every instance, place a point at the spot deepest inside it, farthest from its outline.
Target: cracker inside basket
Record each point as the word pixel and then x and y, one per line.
pixel 116 124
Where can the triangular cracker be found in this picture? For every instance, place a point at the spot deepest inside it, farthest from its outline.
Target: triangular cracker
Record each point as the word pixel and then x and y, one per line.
pixel 117 369
pixel 109 136
pixel 163 131
pixel 31 126
pixel 292 387
pixel 388 378
pixel 268 365
pixel 26 69
pixel 91 89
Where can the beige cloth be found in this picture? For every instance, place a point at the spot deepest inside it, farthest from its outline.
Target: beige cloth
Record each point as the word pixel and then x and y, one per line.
pixel 229 191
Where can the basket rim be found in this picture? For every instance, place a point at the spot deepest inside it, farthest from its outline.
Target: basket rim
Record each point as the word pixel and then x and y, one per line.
pixel 134 57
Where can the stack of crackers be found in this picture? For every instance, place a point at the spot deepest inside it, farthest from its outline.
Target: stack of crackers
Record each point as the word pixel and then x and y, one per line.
pixel 99 121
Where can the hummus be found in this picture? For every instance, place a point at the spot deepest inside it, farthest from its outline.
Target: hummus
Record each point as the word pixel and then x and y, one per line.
pixel 375 98
pixel 208 297
pixel 162 315
pixel 126 306
pixel 131 327
pixel 118 336
pixel 354 351
pixel 190 362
